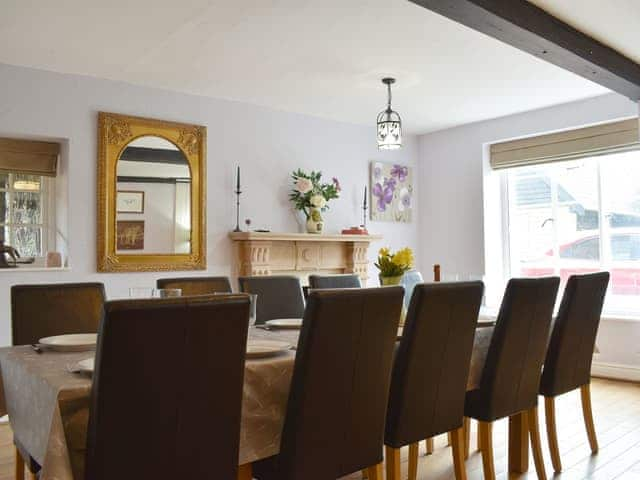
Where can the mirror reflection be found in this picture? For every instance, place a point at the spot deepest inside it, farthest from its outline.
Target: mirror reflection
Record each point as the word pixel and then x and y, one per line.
pixel 153 200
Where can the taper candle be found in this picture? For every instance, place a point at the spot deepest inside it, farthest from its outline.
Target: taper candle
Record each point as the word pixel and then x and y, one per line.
pixel 238 179
pixel 364 204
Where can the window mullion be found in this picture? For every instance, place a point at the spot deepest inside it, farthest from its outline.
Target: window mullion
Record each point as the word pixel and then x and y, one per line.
pixel 603 231
pixel 554 215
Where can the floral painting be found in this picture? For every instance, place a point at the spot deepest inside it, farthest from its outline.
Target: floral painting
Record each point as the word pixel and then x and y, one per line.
pixel 391 192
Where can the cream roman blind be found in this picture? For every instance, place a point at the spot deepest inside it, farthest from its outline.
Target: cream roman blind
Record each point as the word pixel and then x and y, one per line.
pixel 569 145
pixel 29 157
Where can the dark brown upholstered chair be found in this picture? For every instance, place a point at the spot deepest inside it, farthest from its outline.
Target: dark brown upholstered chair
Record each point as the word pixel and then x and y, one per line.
pixel 511 376
pixel 334 281
pixel 279 296
pixel 165 404
pixel 568 363
pixel 46 310
pixel 197 285
pixel 54 309
pixel 336 411
pixel 430 372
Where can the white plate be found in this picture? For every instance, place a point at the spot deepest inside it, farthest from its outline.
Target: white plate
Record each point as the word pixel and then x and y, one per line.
pixel 266 348
pixel 286 323
pixel 85 366
pixel 77 342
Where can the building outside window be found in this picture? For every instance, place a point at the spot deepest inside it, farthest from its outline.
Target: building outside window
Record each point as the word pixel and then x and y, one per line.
pixel 577 216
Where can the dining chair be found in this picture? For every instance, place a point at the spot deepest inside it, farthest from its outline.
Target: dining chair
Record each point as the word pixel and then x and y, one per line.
pixel 47 310
pixel 166 396
pixel 511 376
pixel 337 404
pixel 568 363
pixel 196 285
pixel 54 309
pixel 279 296
pixel 431 371
pixel 335 281
pixel 409 280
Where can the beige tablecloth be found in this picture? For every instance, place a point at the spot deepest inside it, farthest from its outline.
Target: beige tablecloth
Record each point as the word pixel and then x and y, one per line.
pixel 49 407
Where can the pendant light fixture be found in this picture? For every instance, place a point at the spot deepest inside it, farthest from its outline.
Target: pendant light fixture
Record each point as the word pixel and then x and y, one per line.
pixel 389 123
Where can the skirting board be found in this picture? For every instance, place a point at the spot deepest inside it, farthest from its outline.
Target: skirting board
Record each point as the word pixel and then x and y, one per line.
pixel 614 370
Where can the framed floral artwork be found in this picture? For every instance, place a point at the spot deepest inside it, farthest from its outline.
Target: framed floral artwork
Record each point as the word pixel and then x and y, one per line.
pixel 391 192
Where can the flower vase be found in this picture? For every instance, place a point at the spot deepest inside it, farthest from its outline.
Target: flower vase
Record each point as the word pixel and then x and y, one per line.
pixel 390 281
pixel 314 221
pixel 387 281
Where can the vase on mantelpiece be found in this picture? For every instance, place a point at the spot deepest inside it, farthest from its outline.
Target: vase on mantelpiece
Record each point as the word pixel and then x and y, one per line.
pixel 314 221
pixel 391 281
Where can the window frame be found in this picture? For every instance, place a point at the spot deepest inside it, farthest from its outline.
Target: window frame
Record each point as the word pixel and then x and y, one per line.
pixel 47 199
pixel 605 262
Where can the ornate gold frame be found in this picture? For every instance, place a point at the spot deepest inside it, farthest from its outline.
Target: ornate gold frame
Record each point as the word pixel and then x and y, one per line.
pixel 114 133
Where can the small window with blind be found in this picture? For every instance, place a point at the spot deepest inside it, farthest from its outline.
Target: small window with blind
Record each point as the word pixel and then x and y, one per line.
pixel 571 209
pixel 27 206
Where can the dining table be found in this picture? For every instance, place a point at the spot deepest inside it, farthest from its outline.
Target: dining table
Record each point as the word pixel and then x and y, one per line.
pixel 48 403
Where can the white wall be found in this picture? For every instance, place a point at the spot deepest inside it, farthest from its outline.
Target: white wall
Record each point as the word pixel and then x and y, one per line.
pixel 267 144
pixel 451 197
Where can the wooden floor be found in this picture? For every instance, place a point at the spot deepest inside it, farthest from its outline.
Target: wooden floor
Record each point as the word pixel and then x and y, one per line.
pixel 616 407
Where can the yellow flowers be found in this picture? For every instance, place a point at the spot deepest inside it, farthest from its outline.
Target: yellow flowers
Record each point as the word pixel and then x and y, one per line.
pixel 394 264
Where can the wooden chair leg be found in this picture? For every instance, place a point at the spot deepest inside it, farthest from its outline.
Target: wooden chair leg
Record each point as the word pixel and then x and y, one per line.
pixel 19 470
pixel 392 459
pixel 375 472
pixel 245 472
pixel 552 432
pixel 449 439
pixel 413 461
pixel 429 445
pixel 365 474
pixel 585 394
pixel 457 449
pixel 485 436
pixel 518 443
pixel 466 425
pixel 536 447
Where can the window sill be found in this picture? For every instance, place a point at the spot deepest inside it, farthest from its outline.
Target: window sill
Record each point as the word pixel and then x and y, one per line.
pixel 34 269
pixel 621 317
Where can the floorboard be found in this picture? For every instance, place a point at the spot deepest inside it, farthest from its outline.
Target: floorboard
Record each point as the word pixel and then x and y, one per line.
pixel 616 408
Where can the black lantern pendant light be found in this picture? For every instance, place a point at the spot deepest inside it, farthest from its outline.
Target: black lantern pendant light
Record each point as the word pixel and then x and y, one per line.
pixel 389 123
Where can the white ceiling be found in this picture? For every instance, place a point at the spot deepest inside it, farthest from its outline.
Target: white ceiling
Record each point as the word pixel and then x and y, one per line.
pixel 615 23
pixel 319 58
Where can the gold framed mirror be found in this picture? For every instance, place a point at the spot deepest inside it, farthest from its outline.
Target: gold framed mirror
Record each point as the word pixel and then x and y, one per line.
pixel 151 194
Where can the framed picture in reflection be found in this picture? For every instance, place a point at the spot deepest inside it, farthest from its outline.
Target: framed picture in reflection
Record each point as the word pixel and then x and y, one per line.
pixel 128 201
pixel 130 235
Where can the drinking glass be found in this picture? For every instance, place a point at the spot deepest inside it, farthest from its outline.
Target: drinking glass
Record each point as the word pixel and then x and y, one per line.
pixel 167 292
pixel 253 299
pixel 140 292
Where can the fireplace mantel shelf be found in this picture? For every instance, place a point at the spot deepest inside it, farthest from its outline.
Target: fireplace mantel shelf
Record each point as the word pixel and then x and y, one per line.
pixel 302 237
pixel 268 253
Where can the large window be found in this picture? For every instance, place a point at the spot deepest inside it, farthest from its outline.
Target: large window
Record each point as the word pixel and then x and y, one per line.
pixel 24 208
pixel 576 217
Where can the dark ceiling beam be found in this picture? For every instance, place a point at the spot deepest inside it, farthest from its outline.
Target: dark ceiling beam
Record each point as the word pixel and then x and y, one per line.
pixel 529 28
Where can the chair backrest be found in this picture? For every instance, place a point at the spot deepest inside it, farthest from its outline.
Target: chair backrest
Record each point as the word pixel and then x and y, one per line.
pixel 409 281
pixel 337 404
pixel 166 402
pixel 570 352
pixel 511 376
pixel 197 285
pixel 431 367
pixel 279 296
pixel 335 281
pixel 54 309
